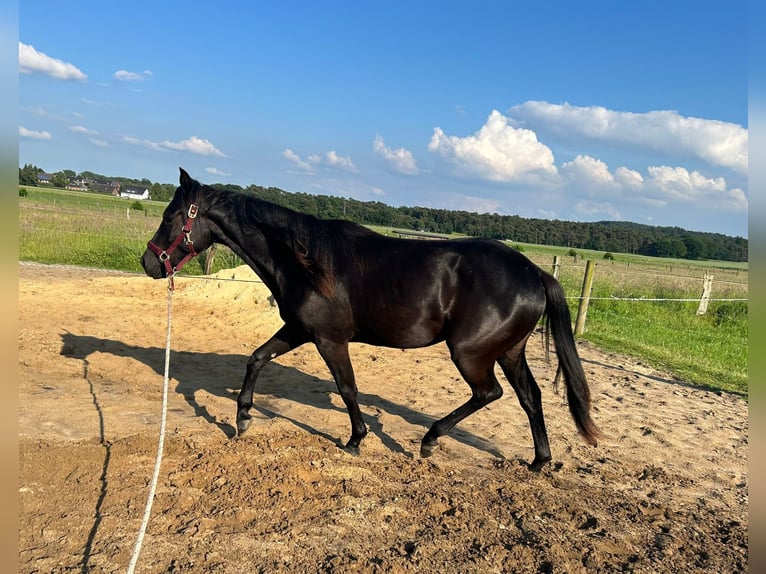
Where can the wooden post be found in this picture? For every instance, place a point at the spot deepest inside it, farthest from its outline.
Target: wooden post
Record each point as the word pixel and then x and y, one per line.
pixel 582 309
pixel 556 266
pixel 707 287
pixel 209 256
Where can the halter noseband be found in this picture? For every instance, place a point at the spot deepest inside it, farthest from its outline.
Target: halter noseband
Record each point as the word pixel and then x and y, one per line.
pixel 184 236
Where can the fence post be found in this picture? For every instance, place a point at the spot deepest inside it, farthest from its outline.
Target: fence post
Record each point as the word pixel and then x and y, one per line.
pixel 707 287
pixel 556 266
pixel 209 256
pixel 582 309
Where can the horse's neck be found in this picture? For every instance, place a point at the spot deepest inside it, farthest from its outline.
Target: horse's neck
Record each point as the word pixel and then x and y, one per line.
pixel 252 248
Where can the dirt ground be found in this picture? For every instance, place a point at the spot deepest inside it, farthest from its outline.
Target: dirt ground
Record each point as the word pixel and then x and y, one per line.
pixel 665 491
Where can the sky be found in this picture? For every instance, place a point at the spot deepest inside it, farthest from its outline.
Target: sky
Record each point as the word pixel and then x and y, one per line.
pixel 573 110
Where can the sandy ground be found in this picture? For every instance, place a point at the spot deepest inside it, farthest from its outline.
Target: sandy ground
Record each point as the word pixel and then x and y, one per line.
pixel 665 491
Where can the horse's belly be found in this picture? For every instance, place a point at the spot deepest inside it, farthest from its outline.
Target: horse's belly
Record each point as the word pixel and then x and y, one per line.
pixel 401 329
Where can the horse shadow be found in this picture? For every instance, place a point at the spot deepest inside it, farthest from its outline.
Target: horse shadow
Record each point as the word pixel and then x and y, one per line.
pixel 191 371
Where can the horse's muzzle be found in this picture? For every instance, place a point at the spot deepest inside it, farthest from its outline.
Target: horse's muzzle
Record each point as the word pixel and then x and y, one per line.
pixel 152 266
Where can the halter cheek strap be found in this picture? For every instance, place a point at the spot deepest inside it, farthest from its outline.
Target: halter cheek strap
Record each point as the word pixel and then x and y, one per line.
pixel 183 237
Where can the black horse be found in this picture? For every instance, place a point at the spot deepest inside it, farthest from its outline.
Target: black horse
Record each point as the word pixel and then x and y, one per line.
pixel 337 282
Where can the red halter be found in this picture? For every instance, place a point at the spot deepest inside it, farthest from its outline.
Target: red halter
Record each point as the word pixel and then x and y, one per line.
pixel 184 236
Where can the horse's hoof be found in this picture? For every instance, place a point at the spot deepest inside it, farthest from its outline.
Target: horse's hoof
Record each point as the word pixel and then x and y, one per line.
pixel 242 426
pixel 427 450
pixel 537 465
pixel 352 450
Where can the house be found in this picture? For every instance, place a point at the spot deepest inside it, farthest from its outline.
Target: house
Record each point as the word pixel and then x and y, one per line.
pixel 77 184
pixel 134 192
pixel 44 178
pixel 104 186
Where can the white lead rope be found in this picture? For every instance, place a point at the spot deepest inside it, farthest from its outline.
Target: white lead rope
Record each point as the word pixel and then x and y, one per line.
pixel 158 463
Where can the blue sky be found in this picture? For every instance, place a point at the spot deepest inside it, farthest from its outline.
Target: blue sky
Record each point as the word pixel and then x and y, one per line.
pixel 575 110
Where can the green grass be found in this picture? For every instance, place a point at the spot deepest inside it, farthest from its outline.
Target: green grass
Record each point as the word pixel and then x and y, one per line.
pixel 708 350
pixel 92 230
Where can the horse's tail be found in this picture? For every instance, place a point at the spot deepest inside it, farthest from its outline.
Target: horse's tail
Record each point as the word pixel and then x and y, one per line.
pixel 558 322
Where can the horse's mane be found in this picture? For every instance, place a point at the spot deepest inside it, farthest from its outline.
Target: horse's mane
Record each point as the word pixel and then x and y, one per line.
pixel 321 247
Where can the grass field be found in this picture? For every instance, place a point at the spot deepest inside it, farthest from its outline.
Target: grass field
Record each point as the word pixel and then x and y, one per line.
pixel 87 229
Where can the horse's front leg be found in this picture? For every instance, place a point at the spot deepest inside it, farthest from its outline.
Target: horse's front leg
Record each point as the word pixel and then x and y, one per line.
pixel 284 340
pixel 338 361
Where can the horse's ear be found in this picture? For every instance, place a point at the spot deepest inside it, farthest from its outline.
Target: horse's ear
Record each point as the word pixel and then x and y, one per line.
pixel 187 183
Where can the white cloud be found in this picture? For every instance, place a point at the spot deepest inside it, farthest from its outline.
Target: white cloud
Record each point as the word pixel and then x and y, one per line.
pixel 96 103
pixel 497 152
pixel 99 143
pixel 587 177
pixel 125 76
pixel 30 61
pixel 330 159
pixel 401 159
pixel 37 135
pixel 547 214
pixel 35 110
pixel 680 183
pixel 715 142
pixel 82 130
pixel 194 145
pixel 144 143
pixel 478 204
pixel 737 198
pixel 296 160
pixel 461 202
pixel 682 187
pixel 339 161
pixel 628 178
pixel 589 170
pixel 216 171
pixel 591 208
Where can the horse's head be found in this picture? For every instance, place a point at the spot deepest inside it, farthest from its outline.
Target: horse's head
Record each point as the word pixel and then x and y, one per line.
pixel 182 234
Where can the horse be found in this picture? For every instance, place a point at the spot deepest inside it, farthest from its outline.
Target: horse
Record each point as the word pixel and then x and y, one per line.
pixel 337 282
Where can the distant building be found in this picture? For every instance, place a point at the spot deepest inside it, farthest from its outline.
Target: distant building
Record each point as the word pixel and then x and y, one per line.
pixel 44 178
pixel 134 192
pixel 103 186
pixel 77 184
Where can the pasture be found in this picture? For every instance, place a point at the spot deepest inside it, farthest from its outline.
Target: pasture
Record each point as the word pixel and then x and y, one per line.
pixel 85 229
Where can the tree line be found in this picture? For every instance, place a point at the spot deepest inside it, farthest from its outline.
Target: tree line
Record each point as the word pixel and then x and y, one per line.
pixel 612 236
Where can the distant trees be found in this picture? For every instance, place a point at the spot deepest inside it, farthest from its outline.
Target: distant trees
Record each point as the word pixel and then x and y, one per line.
pixel 162 191
pixel 28 174
pixel 664 247
pixel 611 236
pixel 59 180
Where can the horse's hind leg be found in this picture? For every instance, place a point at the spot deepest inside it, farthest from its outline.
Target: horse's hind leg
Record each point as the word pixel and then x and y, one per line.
pixel 516 370
pixel 480 376
pixel 284 340
pixel 338 361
